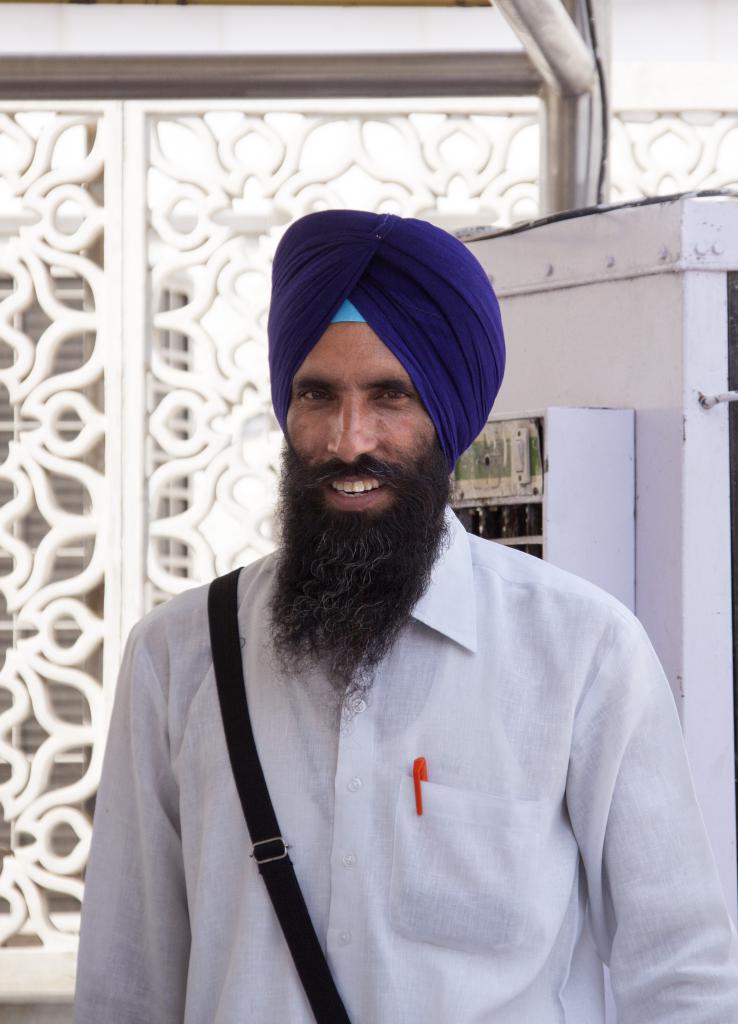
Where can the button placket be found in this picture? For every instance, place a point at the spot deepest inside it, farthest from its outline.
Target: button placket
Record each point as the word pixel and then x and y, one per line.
pixel 351 827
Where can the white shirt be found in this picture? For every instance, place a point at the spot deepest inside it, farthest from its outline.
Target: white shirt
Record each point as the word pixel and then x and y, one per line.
pixel 559 826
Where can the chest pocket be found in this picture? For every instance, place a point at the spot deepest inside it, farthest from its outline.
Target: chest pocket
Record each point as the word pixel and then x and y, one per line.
pixel 464 870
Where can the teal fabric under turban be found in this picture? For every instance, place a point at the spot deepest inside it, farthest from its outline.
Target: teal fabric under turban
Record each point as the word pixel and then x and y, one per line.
pixel 420 290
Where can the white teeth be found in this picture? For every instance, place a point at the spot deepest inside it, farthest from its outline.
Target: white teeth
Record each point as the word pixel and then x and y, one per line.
pixel 354 486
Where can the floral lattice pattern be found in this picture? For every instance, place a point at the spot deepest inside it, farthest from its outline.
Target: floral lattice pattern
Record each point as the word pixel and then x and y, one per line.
pixel 52 482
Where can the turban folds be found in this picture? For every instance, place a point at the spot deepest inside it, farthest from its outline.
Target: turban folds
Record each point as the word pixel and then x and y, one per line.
pixel 420 290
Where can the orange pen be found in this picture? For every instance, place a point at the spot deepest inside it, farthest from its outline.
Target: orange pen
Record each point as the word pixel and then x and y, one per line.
pixel 420 774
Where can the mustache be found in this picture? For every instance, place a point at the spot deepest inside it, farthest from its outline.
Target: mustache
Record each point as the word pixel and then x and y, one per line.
pixel 394 474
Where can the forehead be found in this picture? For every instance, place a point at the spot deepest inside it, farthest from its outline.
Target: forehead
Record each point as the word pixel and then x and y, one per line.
pixel 351 351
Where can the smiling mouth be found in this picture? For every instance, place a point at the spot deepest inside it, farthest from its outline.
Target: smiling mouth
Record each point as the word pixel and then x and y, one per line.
pixel 352 487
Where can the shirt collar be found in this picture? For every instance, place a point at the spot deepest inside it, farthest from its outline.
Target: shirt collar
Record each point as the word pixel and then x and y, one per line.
pixel 449 604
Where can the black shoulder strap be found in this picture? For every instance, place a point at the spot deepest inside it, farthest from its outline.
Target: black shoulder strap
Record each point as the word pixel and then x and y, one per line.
pixel 269 849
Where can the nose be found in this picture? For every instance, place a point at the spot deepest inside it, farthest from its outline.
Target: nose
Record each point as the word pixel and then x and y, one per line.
pixel 352 431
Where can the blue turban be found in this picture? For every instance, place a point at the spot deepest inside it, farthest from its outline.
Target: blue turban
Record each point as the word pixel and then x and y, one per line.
pixel 420 290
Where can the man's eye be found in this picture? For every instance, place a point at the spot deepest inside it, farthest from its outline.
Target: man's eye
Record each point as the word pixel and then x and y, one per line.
pixel 393 394
pixel 314 395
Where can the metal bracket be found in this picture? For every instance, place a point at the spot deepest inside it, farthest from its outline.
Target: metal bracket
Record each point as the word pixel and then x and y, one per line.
pixel 708 401
pixel 267 860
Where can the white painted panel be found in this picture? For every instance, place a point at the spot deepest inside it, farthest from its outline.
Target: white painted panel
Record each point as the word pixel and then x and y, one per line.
pixel 588 496
pixel 707 707
pixel 685 30
pixel 615 345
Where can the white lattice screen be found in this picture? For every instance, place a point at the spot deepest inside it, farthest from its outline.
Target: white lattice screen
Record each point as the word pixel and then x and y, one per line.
pixel 137 446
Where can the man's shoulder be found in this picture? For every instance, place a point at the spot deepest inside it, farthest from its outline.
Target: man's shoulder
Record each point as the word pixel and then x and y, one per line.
pixel 512 569
pixel 168 653
pixel 181 622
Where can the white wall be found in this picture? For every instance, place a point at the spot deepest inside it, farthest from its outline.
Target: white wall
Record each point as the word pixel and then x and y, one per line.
pixel 133 28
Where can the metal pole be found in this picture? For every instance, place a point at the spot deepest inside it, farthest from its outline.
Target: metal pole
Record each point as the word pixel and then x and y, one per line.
pixel 554 34
pixel 565 174
pixel 572 129
pixel 553 42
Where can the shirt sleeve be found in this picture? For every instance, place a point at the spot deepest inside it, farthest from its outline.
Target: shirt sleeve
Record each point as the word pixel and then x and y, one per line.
pixel 656 905
pixel 135 934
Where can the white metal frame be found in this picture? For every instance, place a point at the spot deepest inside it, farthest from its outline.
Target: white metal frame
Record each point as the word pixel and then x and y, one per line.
pixel 589 496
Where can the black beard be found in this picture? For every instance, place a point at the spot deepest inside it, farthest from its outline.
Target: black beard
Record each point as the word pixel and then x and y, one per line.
pixel 346 582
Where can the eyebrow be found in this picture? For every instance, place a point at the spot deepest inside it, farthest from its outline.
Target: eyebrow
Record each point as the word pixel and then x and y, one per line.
pixel 377 384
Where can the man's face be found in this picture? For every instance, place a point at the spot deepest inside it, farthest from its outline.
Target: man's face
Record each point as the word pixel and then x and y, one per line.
pixel 359 440
pixel 351 397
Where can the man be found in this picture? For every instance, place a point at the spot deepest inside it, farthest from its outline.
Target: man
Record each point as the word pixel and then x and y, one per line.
pixel 557 827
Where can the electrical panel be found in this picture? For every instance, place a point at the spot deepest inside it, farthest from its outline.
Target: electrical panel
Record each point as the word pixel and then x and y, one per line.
pixel 498 484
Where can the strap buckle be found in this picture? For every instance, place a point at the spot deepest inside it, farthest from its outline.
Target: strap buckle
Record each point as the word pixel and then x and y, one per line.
pixel 263 858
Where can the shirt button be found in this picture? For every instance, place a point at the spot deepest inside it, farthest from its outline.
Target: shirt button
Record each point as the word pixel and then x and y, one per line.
pixel 344 938
pixel 349 859
pixel 355 784
pixel 359 706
